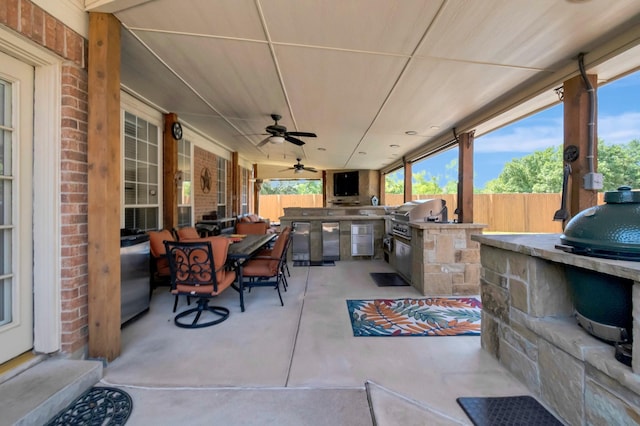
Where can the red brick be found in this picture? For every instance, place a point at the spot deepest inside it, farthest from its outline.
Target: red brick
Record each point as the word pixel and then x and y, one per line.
pixel 3 12
pixel 73 198
pixel 50 31
pixel 74 46
pixel 66 122
pixel 13 14
pixel 26 8
pixel 38 25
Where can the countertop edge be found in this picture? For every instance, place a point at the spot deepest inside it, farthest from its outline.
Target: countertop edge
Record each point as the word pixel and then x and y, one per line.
pixel 543 246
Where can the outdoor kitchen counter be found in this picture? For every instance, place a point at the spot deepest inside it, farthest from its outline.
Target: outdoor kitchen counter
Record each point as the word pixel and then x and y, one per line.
pixel 317 217
pixel 528 325
pixel 446 261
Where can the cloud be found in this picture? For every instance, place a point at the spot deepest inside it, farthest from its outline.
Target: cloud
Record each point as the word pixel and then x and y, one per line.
pixel 619 129
pixel 534 134
pixel 521 138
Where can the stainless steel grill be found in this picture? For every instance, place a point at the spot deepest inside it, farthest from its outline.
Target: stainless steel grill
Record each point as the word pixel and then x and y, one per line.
pixel 431 210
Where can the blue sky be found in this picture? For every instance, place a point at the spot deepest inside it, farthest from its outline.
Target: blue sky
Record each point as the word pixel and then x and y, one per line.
pixel 618 122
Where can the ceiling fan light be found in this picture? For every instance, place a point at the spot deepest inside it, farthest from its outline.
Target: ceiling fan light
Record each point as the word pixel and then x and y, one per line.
pixel 297 171
pixel 276 139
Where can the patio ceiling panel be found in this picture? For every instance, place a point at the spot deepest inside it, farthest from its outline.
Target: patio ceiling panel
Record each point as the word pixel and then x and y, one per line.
pixel 338 92
pixel 359 25
pixel 429 85
pixel 222 18
pixel 522 34
pixel 149 74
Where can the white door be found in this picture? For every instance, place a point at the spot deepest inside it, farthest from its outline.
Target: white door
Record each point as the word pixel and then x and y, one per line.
pixel 16 238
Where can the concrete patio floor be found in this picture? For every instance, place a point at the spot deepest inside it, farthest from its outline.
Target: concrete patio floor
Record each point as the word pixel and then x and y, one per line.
pixel 298 364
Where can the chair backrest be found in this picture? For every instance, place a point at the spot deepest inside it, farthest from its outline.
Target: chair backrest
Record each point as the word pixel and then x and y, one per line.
pixel 191 264
pixel 156 242
pixel 187 233
pixel 287 232
pixel 258 228
pixel 220 246
pixel 280 244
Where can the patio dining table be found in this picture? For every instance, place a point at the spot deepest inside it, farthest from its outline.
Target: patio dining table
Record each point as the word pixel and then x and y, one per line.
pixel 240 251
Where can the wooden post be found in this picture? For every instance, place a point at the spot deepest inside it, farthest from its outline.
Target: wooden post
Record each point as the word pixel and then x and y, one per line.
pixel 104 164
pixel 465 178
pixel 576 130
pixel 169 170
pixel 382 186
pixel 236 184
pixel 324 188
pixel 256 191
pixel 408 186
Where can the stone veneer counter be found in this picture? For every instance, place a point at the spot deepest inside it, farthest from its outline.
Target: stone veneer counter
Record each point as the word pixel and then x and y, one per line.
pixel 445 259
pixel 528 324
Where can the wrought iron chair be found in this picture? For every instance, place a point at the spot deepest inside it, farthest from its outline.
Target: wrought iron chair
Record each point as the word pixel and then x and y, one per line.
pixel 159 264
pixel 198 270
pixel 266 271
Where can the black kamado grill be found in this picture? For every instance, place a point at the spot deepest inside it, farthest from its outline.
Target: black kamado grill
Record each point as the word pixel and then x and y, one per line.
pixel 603 302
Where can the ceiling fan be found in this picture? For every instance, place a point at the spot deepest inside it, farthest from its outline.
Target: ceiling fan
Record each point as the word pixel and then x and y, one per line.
pixel 278 133
pixel 299 168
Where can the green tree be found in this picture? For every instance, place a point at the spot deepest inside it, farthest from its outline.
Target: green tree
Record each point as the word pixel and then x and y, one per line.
pixel 541 171
pixel 297 186
pixel 619 164
pixel 420 184
pixel 394 183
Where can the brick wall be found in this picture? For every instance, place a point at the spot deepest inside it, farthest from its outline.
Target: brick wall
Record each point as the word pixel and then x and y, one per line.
pixel 35 24
pixel 204 203
pixel 73 200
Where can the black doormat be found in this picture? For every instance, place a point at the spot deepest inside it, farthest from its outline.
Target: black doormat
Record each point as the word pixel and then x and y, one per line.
pixel 314 263
pixel 511 410
pixel 388 279
pixel 102 406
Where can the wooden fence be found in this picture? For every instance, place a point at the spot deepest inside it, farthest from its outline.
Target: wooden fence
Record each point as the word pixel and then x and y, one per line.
pixel 501 212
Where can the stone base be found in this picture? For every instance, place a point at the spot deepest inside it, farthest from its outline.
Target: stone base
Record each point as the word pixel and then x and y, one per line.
pixel 528 325
pixel 446 262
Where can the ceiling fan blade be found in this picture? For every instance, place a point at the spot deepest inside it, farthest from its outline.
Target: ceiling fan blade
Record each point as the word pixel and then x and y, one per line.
pixel 309 169
pixel 294 140
pixel 263 141
pixel 306 134
pixel 287 169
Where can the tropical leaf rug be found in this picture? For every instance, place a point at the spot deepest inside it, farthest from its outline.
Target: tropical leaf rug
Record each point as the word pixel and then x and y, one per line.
pixel 437 316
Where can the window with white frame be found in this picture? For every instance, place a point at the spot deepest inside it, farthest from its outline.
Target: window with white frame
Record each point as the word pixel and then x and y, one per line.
pixel 244 196
pixel 185 190
pixel 141 173
pixel 222 187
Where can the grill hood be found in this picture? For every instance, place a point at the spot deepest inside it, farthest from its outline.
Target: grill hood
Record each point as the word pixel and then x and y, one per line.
pixel 431 210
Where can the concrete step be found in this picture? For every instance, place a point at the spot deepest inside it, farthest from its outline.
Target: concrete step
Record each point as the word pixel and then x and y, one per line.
pixel 389 408
pixel 36 394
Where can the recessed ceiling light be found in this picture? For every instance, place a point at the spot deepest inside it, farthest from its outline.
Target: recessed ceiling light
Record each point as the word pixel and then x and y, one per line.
pixel 435 127
pixel 410 132
pixel 322 149
pixel 393 145
pixel 362 153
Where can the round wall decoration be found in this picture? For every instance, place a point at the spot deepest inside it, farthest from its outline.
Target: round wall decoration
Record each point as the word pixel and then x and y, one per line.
pixel 176 130
pixel 205 180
